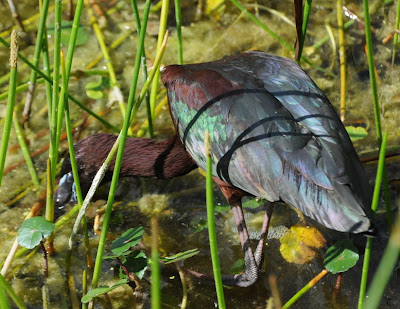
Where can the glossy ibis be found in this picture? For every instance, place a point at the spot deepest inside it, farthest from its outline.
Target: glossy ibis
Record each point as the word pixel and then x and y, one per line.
pixel 274 134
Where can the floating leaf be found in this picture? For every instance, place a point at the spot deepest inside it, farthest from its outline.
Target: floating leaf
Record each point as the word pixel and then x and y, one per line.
pixel 180 256
pixel 134 263
pixel 33 231
pixel 300 243
pixel 94 94
pixel 238 267
pixel 95 89
pixel 341 256
pixel 127 240
pixel 66 28
pixel 101 290
pixel 222 208
pixel 356 133
pixel 253 203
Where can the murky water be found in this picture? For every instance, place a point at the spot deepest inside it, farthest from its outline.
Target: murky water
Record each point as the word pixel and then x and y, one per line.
pixel 205 39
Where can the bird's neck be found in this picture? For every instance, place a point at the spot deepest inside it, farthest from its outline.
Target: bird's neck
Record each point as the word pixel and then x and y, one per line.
pixel 157 159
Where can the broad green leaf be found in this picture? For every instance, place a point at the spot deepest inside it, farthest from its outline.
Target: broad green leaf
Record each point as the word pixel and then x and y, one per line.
pixel 341 256
pixel 180 256
pixel 66 28
pixel 356 133
pixel 135 263
pixel 127 240
pixel 33 231
pixel 101 290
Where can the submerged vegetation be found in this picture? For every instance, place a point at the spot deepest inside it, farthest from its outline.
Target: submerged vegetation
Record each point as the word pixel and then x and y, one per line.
pixel 77 68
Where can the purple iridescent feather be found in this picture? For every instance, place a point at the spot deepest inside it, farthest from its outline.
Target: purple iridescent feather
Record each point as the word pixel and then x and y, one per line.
pixel 274 134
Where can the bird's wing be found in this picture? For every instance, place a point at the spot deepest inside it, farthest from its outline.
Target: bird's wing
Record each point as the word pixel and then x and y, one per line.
pixel 273 132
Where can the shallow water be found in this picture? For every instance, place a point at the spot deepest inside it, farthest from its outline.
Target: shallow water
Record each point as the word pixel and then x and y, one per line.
pixel 207 39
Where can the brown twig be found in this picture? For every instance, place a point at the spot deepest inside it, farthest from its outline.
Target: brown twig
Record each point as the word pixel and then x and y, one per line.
pixel 99 12
pixel 273 284
pixel 337 286
pixel 390 35
pixel 298 16
pixel 16 16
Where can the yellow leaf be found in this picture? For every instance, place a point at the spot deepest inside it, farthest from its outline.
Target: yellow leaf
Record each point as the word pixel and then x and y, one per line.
pixel 300 244
pixel 215 8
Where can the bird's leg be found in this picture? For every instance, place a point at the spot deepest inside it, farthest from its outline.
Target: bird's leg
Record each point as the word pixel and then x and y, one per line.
pixel 252 259
pixel 258 254
pixel 251 272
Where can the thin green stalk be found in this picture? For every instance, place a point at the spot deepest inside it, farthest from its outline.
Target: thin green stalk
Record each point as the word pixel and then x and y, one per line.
pixel 25 151
pixel 10 102
pixel 6 287
pixel 53 149
pixel 99 175
pixel 371 66
pixel 385 269
pixel 73 99
pixel 211 224
pixel 155 266
pixel 144 68
pixel 374 205
pixel 277 37
pixel 118 161
pixel 305 289
pixel 68 128
pixel 68 65
pixel 74 167
pixel 36 56
pixel 396 36
pixel 161 34
pixel 4 304
pixel 306 15
pixel 179 30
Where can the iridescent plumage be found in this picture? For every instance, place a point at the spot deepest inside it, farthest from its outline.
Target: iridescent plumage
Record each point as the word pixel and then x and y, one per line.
pixel 274 134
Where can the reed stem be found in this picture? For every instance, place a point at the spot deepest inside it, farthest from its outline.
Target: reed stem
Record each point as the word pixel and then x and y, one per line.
pixel 10 102
pixel 212 236
pixel 374 206
pixel 118 161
